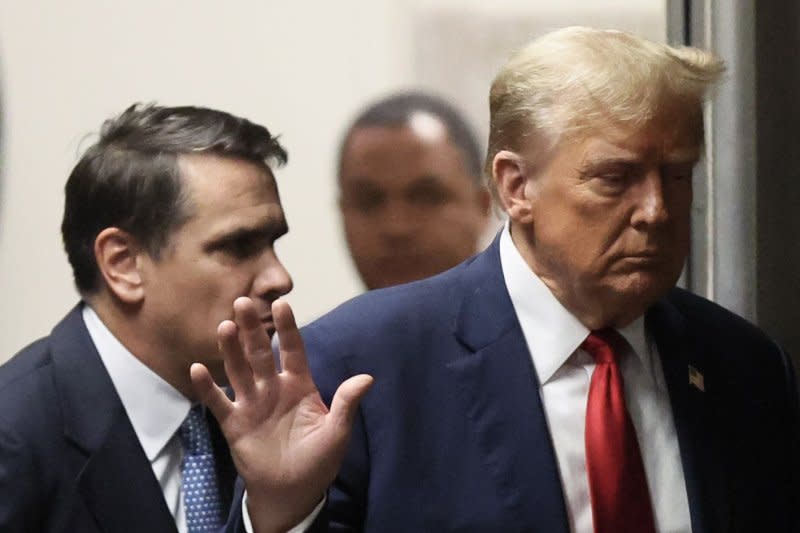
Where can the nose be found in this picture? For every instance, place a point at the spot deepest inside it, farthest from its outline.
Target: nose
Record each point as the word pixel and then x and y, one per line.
pixel 397 222
pixel 651 206
pixel 272 280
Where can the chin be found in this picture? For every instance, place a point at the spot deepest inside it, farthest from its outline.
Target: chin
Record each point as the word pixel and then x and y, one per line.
pixel 642 290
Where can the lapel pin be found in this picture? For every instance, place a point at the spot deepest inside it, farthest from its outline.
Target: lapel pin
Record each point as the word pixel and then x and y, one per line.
pixel 696 379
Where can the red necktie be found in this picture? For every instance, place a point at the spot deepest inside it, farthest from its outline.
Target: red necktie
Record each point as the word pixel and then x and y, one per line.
pixel 617 483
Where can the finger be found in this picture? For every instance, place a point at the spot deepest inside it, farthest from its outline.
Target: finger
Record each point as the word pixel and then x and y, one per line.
pixel 209 393
pixel 240 375
pixel 345 403
pixel 293 353
pixel 254 339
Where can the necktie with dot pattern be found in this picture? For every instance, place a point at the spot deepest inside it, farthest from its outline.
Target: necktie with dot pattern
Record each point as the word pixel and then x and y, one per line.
pixel 201 496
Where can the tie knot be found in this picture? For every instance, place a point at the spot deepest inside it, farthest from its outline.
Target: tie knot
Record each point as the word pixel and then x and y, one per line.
pixel 604 345
pixel 194 432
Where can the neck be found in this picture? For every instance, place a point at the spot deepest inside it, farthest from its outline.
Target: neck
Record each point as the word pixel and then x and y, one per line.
pixel 128 327
pixel 595 311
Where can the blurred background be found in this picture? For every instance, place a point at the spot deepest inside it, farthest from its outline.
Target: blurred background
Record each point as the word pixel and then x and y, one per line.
pixel 304 68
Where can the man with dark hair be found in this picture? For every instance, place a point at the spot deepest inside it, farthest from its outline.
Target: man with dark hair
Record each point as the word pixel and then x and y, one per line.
pixel 169 217
pixel 411 195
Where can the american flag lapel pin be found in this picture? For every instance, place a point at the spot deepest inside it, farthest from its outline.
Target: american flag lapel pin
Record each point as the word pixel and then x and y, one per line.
pixel 696 379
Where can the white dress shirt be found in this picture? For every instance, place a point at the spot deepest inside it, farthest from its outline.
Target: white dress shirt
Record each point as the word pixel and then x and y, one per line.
pixel 554 336
pixel 155 408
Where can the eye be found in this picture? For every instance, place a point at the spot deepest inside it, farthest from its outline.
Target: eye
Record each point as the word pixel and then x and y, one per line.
pixel 427 196
pixel 612 182
pixel 678 172
pixel 610 178
pixel 614 179
pixel 364 198
pixel 367 202
pixel 428 193
pixel 245 246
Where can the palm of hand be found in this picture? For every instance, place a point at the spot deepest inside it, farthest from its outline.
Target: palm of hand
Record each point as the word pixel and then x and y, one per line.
pixel 285 443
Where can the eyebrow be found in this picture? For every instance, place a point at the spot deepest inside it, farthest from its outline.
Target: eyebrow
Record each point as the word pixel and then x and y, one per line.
pixel 675 158
pixel 686 156
pixel 593 165
pixel 427 178
pixel 273 228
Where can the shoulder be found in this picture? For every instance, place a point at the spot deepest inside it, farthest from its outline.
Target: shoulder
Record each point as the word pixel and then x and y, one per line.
pixel 26 373
pixel 394 312
pixel 385 332
pixel 709 319
pixel 31 433
pixel 736 348
pixel 31 427
pixel 31 405
pixel 27 387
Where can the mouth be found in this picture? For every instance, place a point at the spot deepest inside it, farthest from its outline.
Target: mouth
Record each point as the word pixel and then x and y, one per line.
pixel 642 260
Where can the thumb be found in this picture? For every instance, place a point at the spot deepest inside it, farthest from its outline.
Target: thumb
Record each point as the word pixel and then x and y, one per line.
pixel 345 402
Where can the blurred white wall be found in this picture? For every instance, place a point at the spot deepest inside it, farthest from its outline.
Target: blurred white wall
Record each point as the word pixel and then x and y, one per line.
pixel 300 67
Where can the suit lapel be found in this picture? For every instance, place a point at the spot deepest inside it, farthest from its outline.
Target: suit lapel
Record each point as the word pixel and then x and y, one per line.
pixel 695 422
pixel 116 483
pixel 500 389
pixel 119 487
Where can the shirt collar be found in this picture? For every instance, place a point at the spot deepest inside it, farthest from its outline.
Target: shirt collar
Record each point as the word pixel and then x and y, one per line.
pixel 155 408
pixel 636 336
pixel 551 332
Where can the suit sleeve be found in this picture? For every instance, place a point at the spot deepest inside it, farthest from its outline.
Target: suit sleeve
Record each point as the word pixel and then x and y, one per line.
pixel 345 510
pixel 347 497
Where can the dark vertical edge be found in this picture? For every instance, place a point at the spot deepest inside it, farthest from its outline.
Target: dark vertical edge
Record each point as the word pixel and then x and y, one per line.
pixel 778 185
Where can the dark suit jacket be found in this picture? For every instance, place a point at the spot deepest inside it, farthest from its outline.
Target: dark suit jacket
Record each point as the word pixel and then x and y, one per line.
pixel 453 436
pixel 69 458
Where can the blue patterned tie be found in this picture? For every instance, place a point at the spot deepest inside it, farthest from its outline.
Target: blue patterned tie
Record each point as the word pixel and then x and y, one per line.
pixel 200 488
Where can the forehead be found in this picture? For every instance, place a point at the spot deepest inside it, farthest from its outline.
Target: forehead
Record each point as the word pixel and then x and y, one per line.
pixel 422 147
pixel 211 180
pixel 223 193
pixel 679 140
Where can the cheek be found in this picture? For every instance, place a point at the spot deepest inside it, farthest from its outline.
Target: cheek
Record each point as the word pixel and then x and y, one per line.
pixel 361 233
pixel 580 241
pixel 683 218
pixel 213 294
pixel 452 226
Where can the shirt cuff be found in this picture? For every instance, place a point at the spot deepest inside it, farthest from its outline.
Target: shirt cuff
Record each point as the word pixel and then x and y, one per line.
pixel 299 528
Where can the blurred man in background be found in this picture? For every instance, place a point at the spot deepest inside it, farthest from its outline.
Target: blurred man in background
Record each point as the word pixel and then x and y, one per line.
pixel 411 195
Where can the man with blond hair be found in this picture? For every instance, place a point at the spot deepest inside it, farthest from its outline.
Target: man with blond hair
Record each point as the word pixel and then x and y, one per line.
pixel 559 381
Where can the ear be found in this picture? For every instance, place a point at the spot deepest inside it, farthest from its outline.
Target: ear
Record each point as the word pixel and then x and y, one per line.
pixel 510 178
pixel 117 254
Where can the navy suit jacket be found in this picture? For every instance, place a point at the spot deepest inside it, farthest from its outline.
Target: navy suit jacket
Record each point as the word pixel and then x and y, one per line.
pixel 453 436
pixel 69 458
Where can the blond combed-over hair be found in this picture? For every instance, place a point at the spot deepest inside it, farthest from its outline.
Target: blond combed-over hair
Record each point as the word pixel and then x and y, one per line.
pixel 577 80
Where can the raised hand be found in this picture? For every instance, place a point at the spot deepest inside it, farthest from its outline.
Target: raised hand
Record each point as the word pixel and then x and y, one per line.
pixel 286 444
